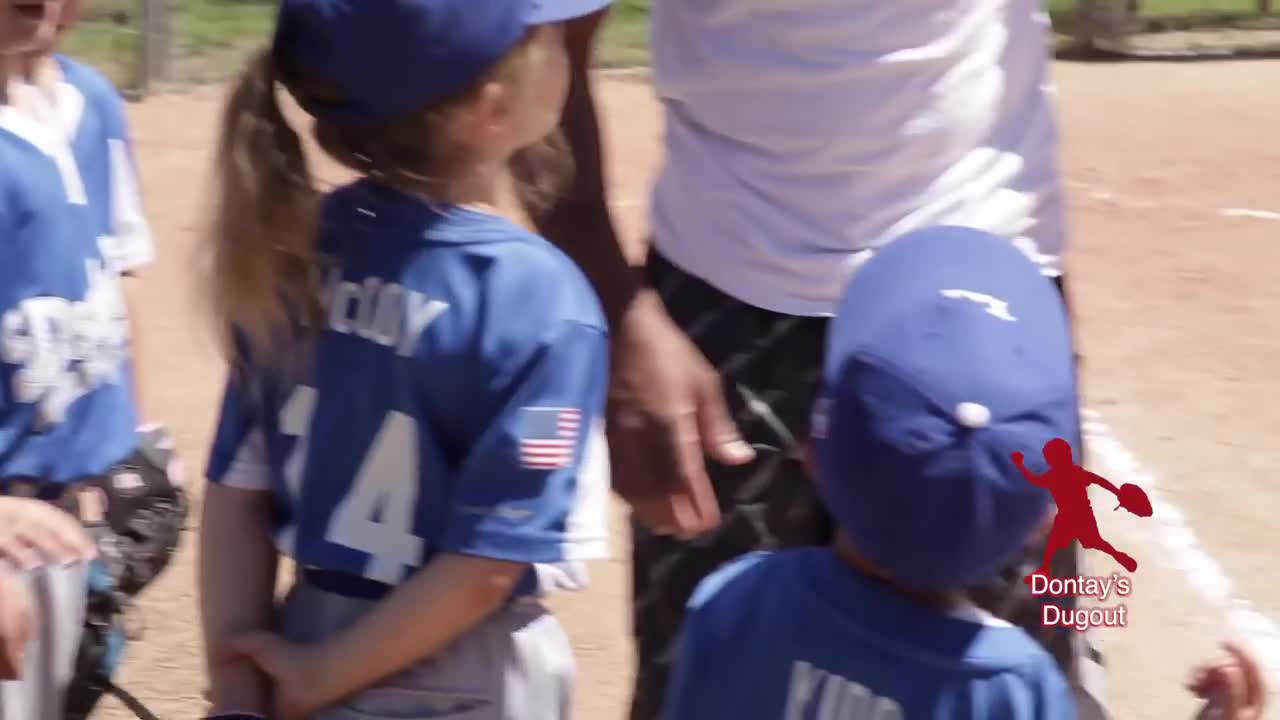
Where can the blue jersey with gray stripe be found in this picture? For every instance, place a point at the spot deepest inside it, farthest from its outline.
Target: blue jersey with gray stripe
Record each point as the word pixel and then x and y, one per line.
pixel 449 402
pixel 66 404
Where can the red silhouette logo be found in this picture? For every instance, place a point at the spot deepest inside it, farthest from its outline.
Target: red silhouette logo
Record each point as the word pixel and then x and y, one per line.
pixel 1069 483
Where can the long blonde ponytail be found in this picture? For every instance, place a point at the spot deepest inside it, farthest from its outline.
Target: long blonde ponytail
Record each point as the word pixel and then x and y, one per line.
pixel 263 233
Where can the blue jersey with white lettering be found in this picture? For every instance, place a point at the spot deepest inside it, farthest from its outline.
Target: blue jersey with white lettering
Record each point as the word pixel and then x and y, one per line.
pixel 798 635
pixel 91 113
pixel 66 404
pixel 450 402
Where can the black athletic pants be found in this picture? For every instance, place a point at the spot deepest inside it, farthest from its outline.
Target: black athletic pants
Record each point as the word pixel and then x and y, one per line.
pixel 771 366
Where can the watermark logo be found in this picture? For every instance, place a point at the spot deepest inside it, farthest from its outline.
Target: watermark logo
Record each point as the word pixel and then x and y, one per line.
pixel 1075 520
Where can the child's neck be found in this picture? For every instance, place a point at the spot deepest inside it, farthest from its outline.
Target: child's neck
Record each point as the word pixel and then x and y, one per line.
pixel 7 74
pixel 947 601
pixel 14 68
pixel 25 66
pixel 481 196
pixel 479 189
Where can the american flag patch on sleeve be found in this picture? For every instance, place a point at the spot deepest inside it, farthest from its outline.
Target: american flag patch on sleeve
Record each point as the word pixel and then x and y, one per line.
pixel 548 436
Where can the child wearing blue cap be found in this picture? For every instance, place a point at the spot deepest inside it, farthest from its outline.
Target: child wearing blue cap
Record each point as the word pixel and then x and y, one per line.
pixel 412 415
pixel 935 374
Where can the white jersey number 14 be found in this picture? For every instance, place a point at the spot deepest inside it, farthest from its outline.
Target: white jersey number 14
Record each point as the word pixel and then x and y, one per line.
pixel 376 515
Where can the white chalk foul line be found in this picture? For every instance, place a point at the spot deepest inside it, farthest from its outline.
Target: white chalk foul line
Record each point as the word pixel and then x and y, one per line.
pixel 1183 549
pixel 1247 213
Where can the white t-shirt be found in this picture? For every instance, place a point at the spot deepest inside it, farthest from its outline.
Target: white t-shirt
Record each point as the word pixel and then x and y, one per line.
pixel 802 133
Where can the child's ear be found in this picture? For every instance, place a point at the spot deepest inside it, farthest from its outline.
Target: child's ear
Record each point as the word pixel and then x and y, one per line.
pixel 483 116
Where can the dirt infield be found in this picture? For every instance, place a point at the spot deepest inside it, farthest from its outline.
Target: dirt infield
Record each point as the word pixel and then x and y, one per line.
pixel 1178 319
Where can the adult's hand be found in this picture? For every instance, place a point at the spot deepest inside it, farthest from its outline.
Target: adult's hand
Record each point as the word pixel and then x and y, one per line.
pixel 666 410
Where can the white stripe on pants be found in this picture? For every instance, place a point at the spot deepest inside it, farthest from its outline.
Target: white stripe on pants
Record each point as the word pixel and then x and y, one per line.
pixel 58 594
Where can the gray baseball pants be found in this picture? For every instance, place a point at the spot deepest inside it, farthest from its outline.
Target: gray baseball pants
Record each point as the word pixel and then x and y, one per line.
pixel 58 594
pixel 515 665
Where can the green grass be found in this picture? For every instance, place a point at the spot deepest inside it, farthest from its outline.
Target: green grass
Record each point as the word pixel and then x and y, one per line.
pixel 205 25
pixel 1160 16
pixel 625 40
pixel 1174 7
pixel 106 38
pixel 212 36
pixel 626 37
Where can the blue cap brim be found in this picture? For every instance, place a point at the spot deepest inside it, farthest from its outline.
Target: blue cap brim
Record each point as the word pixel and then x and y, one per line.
pixel 553 11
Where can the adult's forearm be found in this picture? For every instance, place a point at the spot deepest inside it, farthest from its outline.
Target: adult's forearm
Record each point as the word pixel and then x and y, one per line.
pixel 578 220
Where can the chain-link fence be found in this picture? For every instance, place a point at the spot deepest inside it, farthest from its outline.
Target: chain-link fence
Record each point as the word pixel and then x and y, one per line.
pixel 143 44
pixel 1170 28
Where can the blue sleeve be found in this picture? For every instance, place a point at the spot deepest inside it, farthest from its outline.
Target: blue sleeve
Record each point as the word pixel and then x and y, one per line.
pixel 533 487
pixel 115 121
pixel 132 245
pixel 238 455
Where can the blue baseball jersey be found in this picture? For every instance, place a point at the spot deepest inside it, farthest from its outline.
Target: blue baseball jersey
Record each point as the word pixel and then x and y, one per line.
pixel 66 403
pixel 450 402
pixel 798 635
pixel 91 113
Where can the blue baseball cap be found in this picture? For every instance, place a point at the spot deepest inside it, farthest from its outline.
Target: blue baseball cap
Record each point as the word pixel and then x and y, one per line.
pixel 385 58
pixel 949 352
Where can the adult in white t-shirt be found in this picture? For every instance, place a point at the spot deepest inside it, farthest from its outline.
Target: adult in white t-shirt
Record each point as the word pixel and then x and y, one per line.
pixel 801 135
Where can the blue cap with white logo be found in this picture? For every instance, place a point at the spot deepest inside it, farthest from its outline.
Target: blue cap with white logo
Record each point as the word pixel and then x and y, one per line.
pixel 949 352
pixel 385 58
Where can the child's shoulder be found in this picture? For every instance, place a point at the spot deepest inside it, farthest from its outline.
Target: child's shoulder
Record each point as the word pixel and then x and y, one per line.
pixel 91 82
pixel 1028 659
pixel 759 582
pixel 533 274
pixel 754 601
pixel 998 643
pixel 738 577
pixel 1042 679
pixel 1001 655
pixel 730 602
pixel 489 261
pixel 12 158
